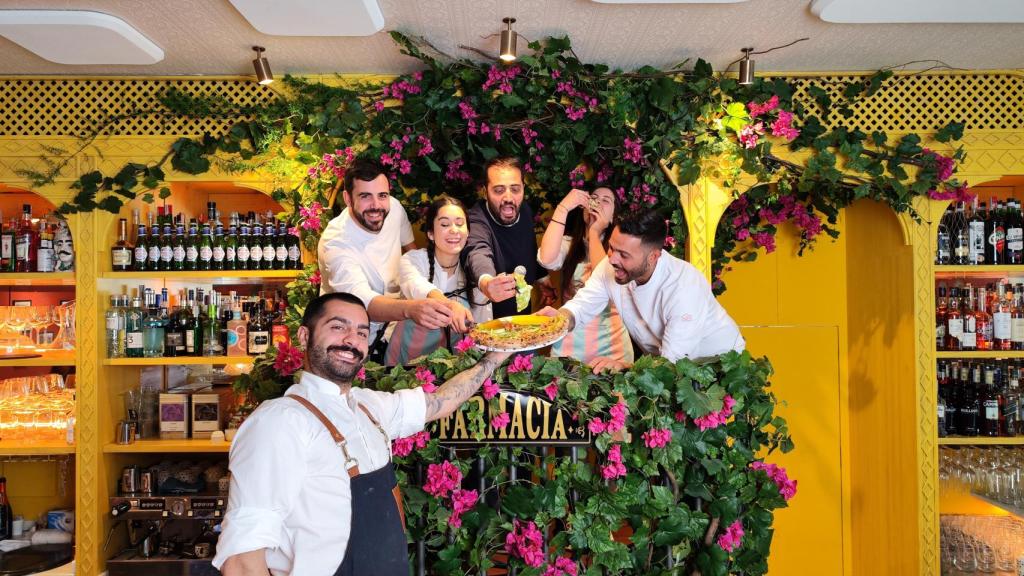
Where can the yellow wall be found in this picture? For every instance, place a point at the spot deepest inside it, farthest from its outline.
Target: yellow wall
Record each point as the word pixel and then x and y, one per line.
pixel 792 309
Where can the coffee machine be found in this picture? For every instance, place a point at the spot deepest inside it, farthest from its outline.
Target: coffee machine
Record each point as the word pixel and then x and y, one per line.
pixel 169 534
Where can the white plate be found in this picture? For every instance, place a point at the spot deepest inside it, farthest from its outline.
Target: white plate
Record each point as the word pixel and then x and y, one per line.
pixel 547 342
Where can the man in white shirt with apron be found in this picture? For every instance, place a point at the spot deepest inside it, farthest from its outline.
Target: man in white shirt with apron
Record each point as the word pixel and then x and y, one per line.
pixel 312 485
pixel 666 303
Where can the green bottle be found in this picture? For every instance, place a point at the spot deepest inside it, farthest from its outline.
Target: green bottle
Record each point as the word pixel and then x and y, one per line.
pixel 256 246
pixel 178 248
pixel 205 248
pixel 231 245
pixel 217 263
pixel 192 247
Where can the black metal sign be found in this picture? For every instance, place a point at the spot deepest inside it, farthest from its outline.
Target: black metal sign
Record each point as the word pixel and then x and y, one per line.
pixel 531 420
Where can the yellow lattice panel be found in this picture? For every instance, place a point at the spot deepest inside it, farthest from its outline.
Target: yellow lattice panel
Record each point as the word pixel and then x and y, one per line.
pixel 71 107
pixel 926 102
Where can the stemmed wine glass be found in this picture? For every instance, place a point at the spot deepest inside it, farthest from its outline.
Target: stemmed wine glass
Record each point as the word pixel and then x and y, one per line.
pixel 41 318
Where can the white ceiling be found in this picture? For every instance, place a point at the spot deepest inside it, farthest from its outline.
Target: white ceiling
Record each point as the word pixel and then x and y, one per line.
pixel 210 37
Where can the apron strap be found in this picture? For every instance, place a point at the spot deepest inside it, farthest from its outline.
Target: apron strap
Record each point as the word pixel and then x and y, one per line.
pixel 351 464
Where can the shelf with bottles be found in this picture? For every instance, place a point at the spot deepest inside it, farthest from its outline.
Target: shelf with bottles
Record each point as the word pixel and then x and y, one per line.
pixel 984 234
pixel 192 326
pixel 980 401
pixel 157 446
pixel 980 315
pixel 33 239
pixel 213 277
pixel 245 236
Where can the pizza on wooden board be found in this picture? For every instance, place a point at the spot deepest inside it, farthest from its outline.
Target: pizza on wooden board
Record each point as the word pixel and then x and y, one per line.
pixel 516 333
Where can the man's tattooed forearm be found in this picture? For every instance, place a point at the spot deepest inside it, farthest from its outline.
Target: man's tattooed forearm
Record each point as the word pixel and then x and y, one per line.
pixel 454 392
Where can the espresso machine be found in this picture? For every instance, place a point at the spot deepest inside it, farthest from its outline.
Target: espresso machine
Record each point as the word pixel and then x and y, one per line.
pixel 171 525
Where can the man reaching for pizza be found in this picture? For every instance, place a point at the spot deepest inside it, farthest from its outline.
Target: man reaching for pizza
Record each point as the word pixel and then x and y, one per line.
pixel 665 303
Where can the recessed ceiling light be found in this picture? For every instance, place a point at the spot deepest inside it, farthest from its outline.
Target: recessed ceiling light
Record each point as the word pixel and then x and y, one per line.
pixel 919 11
pixel 78 37
pixel 313 17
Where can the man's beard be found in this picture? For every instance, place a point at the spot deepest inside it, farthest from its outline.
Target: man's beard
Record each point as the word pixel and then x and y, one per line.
pixel 632 274
pixel 361 218
pixel 496 212
pixel 321 364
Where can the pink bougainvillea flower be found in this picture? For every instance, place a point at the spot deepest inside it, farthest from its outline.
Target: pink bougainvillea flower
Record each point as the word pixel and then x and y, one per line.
pixel 361 375
pixel 288 360
pixel 596 426
pixel 424 375
pixel 490 389
pixel 618 417
pixel 657 437
pixel 499 421
pixel 521 363
pixel 465 344
pixel 756 109
pixel 315 277
pixel 552 390
pixel 442 479
pixel 731 538
pixel 562 566
pixel 525 541
pixel 614 468
pixel 778 475
pixel 405 446
pixel 462 501
pixel 717 418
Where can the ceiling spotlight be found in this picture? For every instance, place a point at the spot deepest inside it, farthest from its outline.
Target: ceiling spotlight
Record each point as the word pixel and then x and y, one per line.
pixel 508 41
pixel 746 68
pixel 263 73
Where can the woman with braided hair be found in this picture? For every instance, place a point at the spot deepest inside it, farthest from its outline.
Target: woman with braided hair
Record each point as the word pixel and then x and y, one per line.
pixel 435 272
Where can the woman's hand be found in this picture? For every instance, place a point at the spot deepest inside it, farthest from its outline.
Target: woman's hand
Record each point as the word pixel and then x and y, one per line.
pixel 598 221
pixel 462 318
pixel 574 199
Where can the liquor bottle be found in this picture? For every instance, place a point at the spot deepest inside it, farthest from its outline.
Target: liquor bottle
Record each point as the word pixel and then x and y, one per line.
pixel 970 410
pixel 212 330
pixel 983 321
pixel 153 327
pixel 174 331
pixel 954 321
pixel 256 244
pixel 26 242
pixel 258 332
pixel 942 380
pixel 960 237
pixel 1017 322
pixel 242 247
pixel 133 330
pixel 995 236
pixel 190 325
pixel 192 246
pixel 166 244
pixel 944 242
pixel 227 306
pixel 217 254
pixel 940 317
pixel 6 246
pixel 969 337
pixel 1014 234
pixel 237 336
pixel 278 329
pixel 1011 402
pixel 989 403
pixel 976 234
pixel 206 248
pixel 270 246
pixel 46 258
pixel 121 252
pixel 153 244
pixel 6 512
pixel 114 323
pixel 178 248
pixel 141 255
pixel 1002 313
pixel 281 248
pixel 960 377
pixel 231 244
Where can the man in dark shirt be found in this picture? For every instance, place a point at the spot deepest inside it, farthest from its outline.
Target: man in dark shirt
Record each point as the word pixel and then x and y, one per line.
pixel 501 237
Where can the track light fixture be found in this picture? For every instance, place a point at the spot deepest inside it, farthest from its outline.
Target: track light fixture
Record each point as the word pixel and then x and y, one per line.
pixel 508 41
pixel 746 68
pixel 263 73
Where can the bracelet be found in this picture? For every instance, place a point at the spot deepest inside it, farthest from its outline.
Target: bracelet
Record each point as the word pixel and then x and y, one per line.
pixel 557 222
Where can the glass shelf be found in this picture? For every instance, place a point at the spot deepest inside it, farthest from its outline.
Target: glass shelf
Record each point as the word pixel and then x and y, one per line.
pixel 35 448
pixel 45 358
